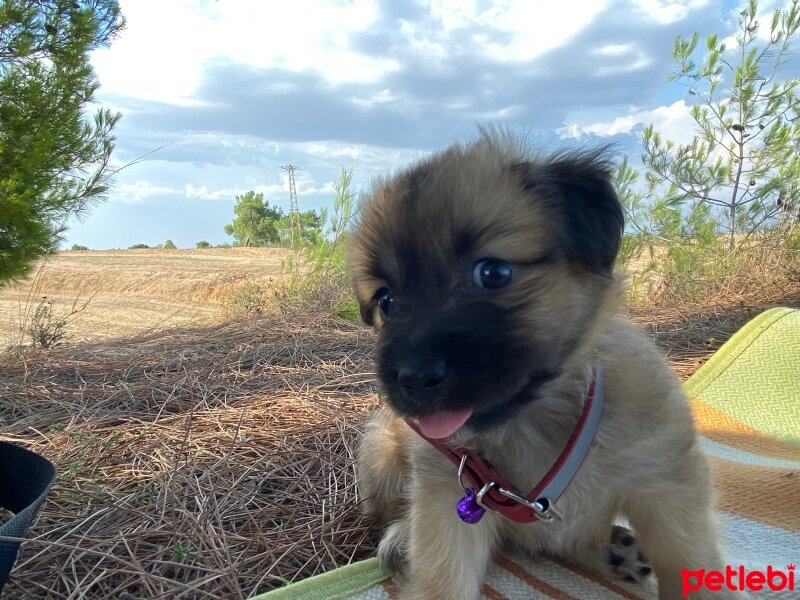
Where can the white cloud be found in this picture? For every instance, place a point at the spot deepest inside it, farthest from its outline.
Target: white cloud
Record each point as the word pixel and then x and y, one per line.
pixel 666 12
pixel 327 188
pixel 507 112
pixel 621 58
pixel 640 62
pixel 304 184
pixel 321 149
pixel 537 26
pixel 381 158
pixel 218 167
pixel 202 192
pixel 674 122
pixel 162 53
pixel 529 27
pixel 139 192
pixel 613 50
pixel 384 97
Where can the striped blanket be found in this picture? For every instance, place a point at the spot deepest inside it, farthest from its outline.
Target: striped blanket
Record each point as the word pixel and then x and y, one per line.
pixel 746 401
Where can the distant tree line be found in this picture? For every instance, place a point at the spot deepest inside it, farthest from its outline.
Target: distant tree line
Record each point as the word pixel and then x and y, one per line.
pixel 256 223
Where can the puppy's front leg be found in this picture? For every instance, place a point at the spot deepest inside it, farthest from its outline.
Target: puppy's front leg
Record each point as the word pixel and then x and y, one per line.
pixel 447 558
pixel 677 531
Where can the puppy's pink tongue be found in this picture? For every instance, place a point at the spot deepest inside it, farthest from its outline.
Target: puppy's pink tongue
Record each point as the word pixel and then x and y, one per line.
pixel 444 423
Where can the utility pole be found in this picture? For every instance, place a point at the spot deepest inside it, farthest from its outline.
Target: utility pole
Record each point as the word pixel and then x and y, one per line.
pixel 294 212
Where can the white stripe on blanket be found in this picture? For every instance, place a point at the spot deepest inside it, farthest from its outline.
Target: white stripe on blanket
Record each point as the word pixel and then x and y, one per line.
pixel 718 450
pixel 757 545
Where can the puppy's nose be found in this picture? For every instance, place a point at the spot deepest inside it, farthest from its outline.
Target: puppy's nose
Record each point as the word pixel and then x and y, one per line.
pixel 422 379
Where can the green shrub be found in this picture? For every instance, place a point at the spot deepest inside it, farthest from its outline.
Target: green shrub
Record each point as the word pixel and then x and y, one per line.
pixel 793 239
pixel 347 309
pixel 46 329
pixel 317 274
pixel 169 245
pixel 202 244
pixel 716 217
pixel 677 252
pixel 249 300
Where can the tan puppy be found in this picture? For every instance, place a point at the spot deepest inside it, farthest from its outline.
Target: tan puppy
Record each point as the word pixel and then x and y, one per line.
pixel 487 272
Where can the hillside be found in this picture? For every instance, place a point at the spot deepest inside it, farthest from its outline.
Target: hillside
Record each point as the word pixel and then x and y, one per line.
pixel 130 292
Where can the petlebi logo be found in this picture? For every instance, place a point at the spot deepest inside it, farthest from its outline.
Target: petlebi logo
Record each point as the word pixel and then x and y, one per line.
pixel 739 579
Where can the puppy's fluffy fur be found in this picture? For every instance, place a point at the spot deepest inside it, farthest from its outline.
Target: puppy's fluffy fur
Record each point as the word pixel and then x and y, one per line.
pixel 520 356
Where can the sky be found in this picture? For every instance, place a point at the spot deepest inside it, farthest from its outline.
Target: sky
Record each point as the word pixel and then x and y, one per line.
pixel 217 95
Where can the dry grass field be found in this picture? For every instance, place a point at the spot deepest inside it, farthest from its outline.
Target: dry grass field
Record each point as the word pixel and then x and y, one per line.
pixel 215 459
pixel 130 292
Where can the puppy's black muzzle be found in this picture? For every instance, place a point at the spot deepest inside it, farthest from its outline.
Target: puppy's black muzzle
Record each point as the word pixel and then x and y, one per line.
pixel 469 357
pixel 423 379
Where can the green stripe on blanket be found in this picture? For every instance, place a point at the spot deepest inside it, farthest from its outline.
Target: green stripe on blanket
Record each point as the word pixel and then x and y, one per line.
pixel 333 585
pixel 761 391
pixel 746 401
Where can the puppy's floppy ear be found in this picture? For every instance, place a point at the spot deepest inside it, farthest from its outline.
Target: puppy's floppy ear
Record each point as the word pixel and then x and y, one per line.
pixel 356 261
pixel 367 311
pixel 366 306
pixel 577 187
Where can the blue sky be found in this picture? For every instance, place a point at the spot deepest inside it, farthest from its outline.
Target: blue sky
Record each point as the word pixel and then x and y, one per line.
pixel 230 90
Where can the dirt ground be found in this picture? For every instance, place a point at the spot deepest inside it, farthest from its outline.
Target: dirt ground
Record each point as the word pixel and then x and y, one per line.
pixel 214 460
pixel 217 462
pixel 131 292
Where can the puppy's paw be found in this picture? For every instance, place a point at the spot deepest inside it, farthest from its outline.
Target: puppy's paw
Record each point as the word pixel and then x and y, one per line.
pixel 393 547
pixel 624 561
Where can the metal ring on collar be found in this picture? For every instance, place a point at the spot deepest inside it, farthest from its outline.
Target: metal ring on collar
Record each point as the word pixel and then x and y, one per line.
pixel 461 470
pixel 479 496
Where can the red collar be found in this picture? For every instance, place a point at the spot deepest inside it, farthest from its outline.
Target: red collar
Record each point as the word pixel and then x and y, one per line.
pixel 497 494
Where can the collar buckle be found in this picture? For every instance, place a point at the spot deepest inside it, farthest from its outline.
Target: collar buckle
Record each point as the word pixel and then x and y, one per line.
pixel 541 506
pixel 496 494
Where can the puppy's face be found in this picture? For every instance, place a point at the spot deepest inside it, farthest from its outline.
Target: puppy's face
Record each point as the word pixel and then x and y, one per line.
pixel 484 271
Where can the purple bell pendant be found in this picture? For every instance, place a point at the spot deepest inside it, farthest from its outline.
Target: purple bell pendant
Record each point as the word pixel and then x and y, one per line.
pixel 468 509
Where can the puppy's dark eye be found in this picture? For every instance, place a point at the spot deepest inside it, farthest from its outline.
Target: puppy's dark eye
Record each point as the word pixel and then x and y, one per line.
pixel 492 273
pixel 385 299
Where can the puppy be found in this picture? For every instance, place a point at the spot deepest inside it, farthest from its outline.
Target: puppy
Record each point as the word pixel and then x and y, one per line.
pixel 487 272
